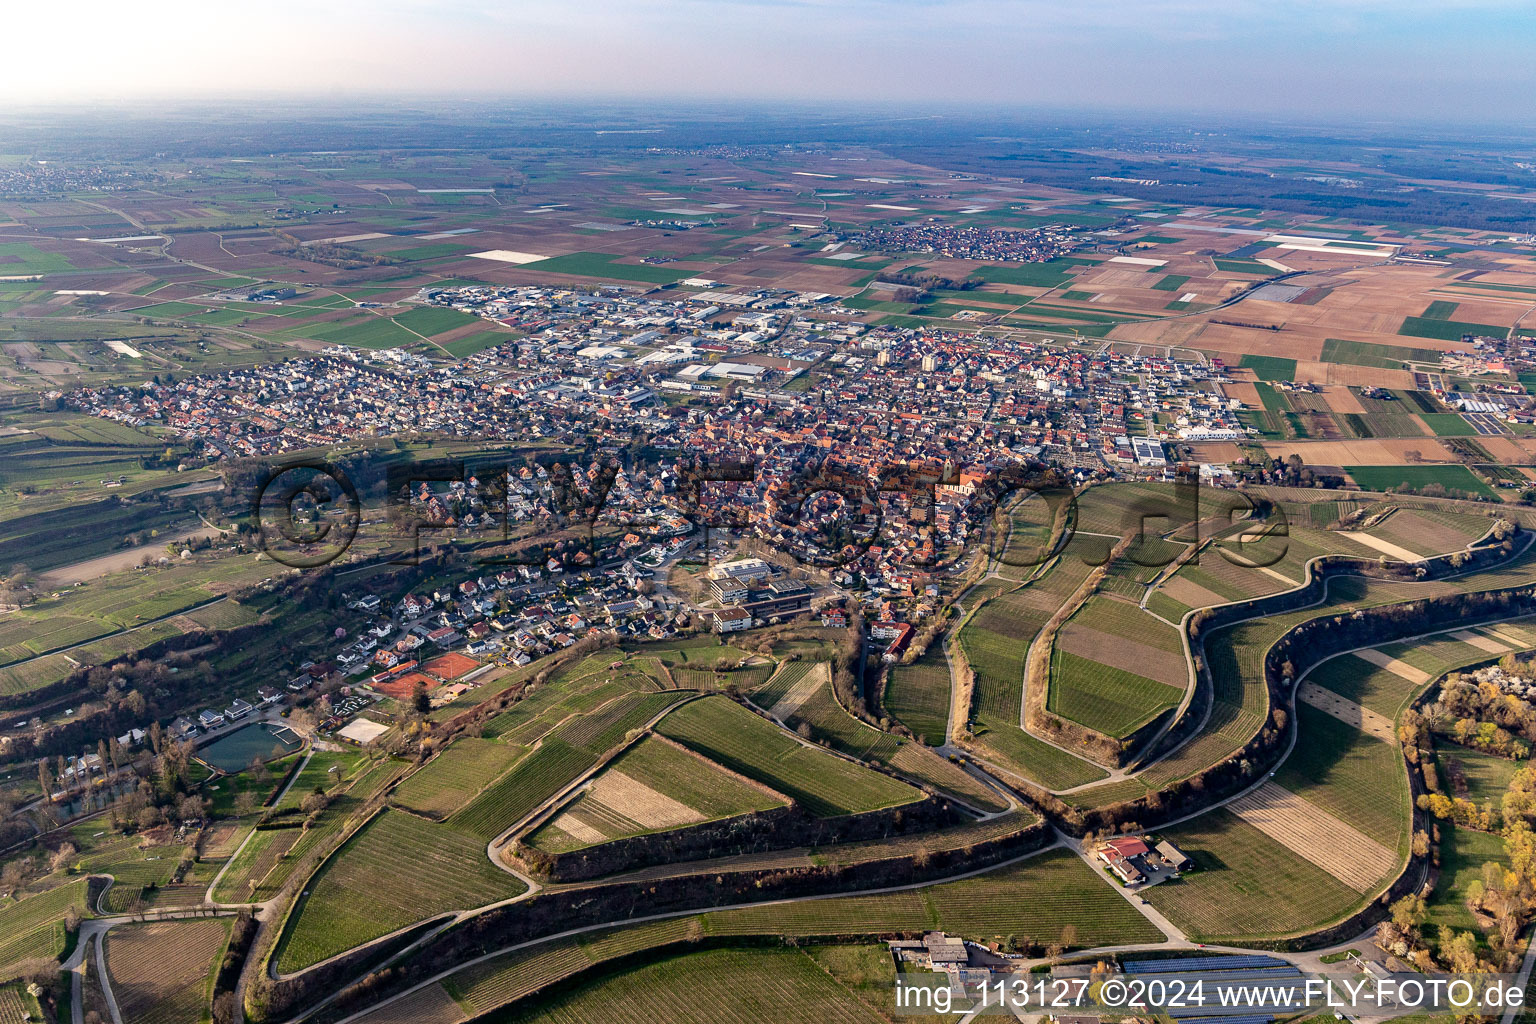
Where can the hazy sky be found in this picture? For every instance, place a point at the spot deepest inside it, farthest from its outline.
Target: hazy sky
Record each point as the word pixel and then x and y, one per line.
pixel 1397 58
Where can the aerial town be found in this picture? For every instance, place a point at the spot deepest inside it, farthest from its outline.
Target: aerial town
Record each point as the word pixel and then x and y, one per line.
pixel 471 565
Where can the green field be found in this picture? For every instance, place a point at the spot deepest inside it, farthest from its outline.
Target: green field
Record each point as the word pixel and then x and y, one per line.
pixel 1440 309
pixel 432 320
pixel 1447 330
pixel 1452 478
pixel 1487 776
pixel 362 331
pixel 1247 886
pixel 1031 275
pixel 397 870
pixel 1170 283
pixel 427 252
pixel 1242 266
pixel 1447 424
pixel 1270 367
pixel 22 258
pixel 1365 353
pixel 604 265
pixel 824 785
pixel 1463 852
pixel 472 343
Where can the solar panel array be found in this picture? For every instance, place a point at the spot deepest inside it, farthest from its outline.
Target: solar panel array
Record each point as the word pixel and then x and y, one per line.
pixel 1224 968
pixel 1202 963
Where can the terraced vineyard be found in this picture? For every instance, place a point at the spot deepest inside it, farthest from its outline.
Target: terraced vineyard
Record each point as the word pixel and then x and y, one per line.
pixel 781 682
pixel 373 885
pixel 995 640
pixel 917 695
pixel 33 928
pixel 825 785
pixel 1247 885
pixel 1353 776
pixel 1107 699
pixel 537 777
pixel 453 777
pixel 162 973
pixel 707 987
pixel 1033 897
pixel 651 787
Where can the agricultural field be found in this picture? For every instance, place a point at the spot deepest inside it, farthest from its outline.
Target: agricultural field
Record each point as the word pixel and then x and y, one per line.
pixel 32 928
pixel 995 639
pixel 824 785
pixel 372 886
pixel 561 756
pixel 708 987
pixel 1430 531
pixel 918 695
pixel 1034 898
pixel 1246 885
pixel 1115 667
pixel 455 776
pixel 651 787
pixel 162 973
pixel 1455 479
pixel 1352 775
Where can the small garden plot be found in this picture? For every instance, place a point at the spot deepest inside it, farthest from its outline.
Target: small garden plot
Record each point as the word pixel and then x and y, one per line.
pixel 824 785
pixel 397 870
pixel 652 787
pixel 162 973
